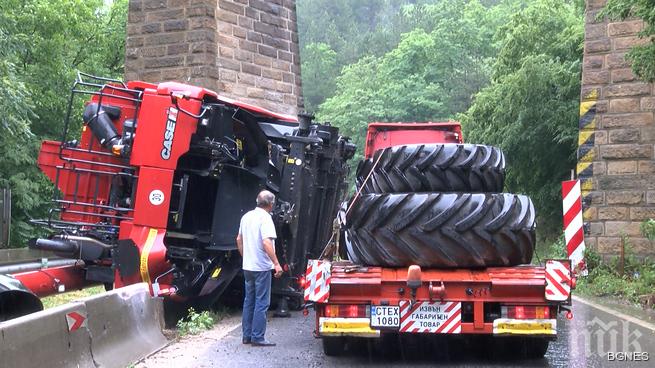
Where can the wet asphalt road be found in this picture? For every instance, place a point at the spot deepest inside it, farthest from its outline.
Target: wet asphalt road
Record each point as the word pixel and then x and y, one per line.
pixel 583 342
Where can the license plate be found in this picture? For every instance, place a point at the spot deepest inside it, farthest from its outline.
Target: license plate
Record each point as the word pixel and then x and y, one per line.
pixel 385 316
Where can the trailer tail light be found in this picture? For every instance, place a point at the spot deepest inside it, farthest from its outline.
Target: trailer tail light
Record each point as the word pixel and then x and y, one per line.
pixel 346 310
pixel 302 282
pixel 526 312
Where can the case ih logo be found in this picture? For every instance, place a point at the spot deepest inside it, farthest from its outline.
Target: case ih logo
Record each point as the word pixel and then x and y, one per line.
pixel 169 133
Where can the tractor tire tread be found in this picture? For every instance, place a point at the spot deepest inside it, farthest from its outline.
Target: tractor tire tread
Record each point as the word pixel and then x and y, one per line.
pixel 446 167
pixel 441 230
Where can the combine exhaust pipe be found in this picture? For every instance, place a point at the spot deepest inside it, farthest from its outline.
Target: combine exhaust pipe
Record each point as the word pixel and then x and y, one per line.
pixel 100 120
pixel 75 247
pixel 55 245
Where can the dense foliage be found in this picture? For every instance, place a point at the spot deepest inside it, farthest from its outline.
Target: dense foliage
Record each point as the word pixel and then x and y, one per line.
pixel 342 32
pixel 42 44
pixel 642 57
pixel 430 75
pixel 509 70
pixel 530 108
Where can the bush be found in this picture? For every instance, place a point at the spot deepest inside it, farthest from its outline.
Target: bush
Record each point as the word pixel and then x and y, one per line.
pixel 195 322
pixel 647 229
pixel 552 250
pixel 592 258
pixel 604 279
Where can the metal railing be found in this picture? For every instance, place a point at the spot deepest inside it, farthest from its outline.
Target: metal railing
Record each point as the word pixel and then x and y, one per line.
pixel 93 170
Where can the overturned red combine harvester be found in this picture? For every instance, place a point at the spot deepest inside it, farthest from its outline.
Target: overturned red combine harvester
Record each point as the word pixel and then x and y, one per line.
pixel 153 189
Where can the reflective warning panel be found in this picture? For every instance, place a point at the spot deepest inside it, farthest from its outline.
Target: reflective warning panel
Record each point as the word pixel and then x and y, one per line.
pixel 558 280
pixel 317 281
pixel 430 317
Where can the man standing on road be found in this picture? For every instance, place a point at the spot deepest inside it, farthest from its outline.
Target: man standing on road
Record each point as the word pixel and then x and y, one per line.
pixel 256 243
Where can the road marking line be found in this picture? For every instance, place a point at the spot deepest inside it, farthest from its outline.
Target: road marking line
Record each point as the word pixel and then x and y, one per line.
pixel 634 320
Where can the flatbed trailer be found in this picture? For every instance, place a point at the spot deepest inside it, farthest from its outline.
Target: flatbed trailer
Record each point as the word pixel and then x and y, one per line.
pixel 370 302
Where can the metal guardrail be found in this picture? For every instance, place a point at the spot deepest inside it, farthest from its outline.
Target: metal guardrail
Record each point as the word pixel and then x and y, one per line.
pixel 5 216
pixel 23 255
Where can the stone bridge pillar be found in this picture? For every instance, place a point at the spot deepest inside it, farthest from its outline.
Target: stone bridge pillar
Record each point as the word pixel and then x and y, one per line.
pixel 617 132
pixel 243 49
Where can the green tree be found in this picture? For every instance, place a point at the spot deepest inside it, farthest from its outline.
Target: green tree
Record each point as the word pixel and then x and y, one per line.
pixel 16 111
pixel 319 71
pixel 352 30
pixel 642 57
pixel 430 75
pixel 530 109
pixel 54 39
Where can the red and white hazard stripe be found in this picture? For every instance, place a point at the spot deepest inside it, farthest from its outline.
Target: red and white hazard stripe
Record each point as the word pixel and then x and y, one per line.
pixel 573 225
pixel 411 323
pixel 558 280
pixel 317 281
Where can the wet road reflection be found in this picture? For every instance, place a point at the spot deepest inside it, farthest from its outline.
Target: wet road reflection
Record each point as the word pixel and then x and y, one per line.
pixel 586 340
pixel 583 342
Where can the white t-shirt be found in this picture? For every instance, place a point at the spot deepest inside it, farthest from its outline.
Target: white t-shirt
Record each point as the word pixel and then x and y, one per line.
pixel 256 225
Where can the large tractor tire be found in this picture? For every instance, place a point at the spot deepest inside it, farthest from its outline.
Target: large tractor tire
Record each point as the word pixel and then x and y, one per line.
pixel 434 168
pixel 441 230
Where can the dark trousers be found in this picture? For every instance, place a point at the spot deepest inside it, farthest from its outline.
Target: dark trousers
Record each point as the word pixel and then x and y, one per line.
pixel 255 304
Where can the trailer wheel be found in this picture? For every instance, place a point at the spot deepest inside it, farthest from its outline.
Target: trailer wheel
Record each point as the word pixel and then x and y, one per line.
pixel 434 168
pixel 333 345
pixel 441 230
pixel 536 347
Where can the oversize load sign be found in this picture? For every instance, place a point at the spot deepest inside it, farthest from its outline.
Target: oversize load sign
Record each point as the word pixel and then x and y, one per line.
pixel 431 317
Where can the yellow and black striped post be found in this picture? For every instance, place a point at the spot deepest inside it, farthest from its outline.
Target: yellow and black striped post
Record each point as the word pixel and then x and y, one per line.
pixel 586 149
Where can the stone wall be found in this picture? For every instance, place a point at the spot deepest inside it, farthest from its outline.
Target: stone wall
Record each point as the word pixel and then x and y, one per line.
pixel 243 49
pixel 617 132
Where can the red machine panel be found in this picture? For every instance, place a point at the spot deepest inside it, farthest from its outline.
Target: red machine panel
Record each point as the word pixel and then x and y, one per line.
pixel 163 132
pixel 152 199
pixel 152 255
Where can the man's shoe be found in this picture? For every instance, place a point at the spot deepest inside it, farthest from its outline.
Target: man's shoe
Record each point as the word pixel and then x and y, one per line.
pixel 263 343
pixel 246 341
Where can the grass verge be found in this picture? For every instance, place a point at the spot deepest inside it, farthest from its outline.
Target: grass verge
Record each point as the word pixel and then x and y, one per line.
pixel 631 280
pixel 59 299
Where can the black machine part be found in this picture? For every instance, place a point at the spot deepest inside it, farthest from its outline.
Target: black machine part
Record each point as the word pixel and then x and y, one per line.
pixel 76 247
pixel 99 119
pixel 16 300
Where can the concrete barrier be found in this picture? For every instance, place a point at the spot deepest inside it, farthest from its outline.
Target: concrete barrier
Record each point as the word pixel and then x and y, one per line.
pixel 125 325
pixel 43 339
pixel 111 329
